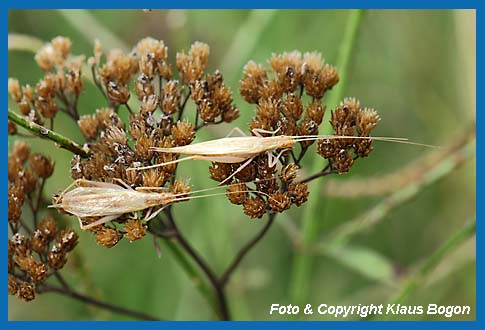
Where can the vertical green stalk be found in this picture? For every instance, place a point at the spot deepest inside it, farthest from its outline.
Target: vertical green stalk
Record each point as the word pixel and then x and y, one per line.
pixel 302 263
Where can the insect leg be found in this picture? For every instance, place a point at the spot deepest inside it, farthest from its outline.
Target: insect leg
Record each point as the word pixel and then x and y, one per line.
pixel 258 131
pixel 273 160
pixel 98 222
pixel 123 183
pixel 154 214
pixel 239 169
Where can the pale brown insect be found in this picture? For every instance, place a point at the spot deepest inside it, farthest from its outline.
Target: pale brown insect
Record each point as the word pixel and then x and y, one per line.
pixel 246 148
pixel 110 201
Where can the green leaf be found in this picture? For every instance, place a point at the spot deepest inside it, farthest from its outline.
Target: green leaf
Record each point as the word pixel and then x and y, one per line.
pixel 364 261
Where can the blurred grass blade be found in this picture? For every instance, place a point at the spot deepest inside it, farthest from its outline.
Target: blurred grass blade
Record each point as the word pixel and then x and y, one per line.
pixel 376 214
pixel 89 27
pixel 454 242
pixel 194 275
pixel 246 39
pixel 362 260
pixel 17 41
pixel 302 264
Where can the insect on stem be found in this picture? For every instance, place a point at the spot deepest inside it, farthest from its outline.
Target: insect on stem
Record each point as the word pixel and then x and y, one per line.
pixel 108 201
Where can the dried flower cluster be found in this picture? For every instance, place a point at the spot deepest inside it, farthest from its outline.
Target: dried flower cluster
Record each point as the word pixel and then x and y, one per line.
pixel 33 255
pixel 349 119
pixel 278 95
pixel 280 109
pixel 116 146
pixel 288 99
pixel 58 90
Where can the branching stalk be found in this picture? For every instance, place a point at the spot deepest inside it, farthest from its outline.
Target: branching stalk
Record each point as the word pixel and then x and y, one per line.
pixel 46 133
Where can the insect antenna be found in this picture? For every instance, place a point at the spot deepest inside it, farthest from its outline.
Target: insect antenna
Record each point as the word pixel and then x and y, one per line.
pixel 373 138
pixel 161 164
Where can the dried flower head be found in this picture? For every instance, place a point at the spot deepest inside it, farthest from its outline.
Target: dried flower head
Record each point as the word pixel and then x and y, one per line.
pixel 134 230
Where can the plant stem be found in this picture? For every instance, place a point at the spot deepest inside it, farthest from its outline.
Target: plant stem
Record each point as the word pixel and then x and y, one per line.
pixel 302 264
pixel 45 288
pixel 45 133
pixel 224 279
pixel 219 289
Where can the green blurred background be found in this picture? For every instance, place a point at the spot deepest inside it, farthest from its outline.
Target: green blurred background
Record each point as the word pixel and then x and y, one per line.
pixel 417 68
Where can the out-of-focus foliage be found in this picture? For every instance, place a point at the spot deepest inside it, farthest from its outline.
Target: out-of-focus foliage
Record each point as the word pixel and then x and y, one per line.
pixel 417 68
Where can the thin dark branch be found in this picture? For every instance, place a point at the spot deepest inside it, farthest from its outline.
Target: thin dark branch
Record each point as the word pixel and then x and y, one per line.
pixel 245 249
pixel 45 288
pixel 203 124
pixel 128 107
pixel 220 295
pixel 61 280
pixel 326 171
pixel 39 200
pixel 96 82
pixel 182 106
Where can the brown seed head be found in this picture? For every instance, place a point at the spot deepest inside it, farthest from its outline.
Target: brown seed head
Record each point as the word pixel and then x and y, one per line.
pixel 289 173
pixel 298 193
pixel 315 111
pixel 38 241
pixel 46 106
pixel 153 177
pixel 38 272
pixel 208 110
pixel 237 193
pixel 252 82
pixel 28 180
pixel 230 114
pixel 12 285
pixel 14 89
pixel 183 133
pixel 25 261
pixel 220 171
pixel 180 187
pixel 107 237
pixel 26 291
pixel 119 68
pixel 367 120
pixel 326 148
pixel 24 106
pixel 89 126
pixel 342 161
pixel 48 226
pixel 142 147
pixel 67 239
pixel 279 201
pixel 292 106
pixel 268 110
pixel 134 230
pixel 118 93
pixel 254 207
pixel 171 97
pixel 56 258
pixel 12 128
pixel 42 165
pixel 21 151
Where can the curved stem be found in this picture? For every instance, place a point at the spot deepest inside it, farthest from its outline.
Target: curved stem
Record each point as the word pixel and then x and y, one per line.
pixel 45 288
pixel 245 249
pixel 45 133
